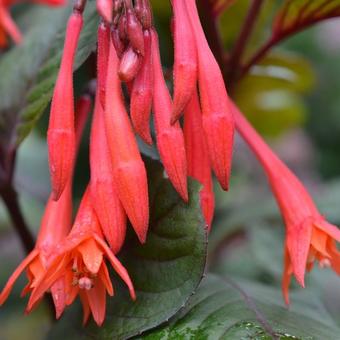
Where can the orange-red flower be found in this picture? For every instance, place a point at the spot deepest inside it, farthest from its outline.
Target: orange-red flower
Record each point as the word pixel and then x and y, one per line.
pixel 218 122
pixel 141 94
pixel 55 226
pixel 61 131
pixel 185 65
pixel 170 139
pixel 198 157
pixel 129 171
pixel 80 261
pixel 105 201
pixel 309 237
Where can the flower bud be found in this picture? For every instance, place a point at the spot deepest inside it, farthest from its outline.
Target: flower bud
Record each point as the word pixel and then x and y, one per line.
pixel 102 59
pixel 129 65
pixel 185 66
pixel 117 42
pixel 128 168
pixel 134 32
pixel 141 94
pixel 61 132
pixel 170 139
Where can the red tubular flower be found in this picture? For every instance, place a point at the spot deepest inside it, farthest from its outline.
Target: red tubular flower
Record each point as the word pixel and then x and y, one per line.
pixel 102 59
pixel 141 95
pixel 55 225
pixel 61 134
pixel 105 9
pixel 185 66
pixel 134 32
pixel 79 260
pixel 104 198
pixel 170 139
pixel 197 156
pixel 218 122
pixel 129 172
pixel 309 236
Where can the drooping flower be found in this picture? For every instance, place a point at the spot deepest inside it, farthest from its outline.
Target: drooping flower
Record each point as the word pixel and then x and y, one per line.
pixel 80 261
pixel 309 237
pixel 218 122
pixel 141 94
pixel 109 210
pixel 198 157
pixel 102 59
pixel 129 171
pixel 55 225
pixel 170 139
pixel 61 132
pixel 185 55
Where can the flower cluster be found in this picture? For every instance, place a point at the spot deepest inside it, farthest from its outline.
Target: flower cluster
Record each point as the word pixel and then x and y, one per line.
pixel 71 259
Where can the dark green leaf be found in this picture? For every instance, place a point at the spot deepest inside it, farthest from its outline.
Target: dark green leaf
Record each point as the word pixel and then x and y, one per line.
pixel 166 270
pixel 223 309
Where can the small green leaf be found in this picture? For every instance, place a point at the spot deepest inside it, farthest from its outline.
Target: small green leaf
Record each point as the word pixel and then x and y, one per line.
pixel 165 271
pixel 223 309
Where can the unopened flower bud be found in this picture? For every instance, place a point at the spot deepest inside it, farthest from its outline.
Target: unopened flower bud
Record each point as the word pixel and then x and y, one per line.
pixel 117 42
pixel 129 65
pixel 134 32
pixel 122 27
pixel 117 4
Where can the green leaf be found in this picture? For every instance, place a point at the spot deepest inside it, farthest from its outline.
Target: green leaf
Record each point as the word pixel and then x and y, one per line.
pixel 165 271
pixel 296 15
pixel 28 72
pixel 223 309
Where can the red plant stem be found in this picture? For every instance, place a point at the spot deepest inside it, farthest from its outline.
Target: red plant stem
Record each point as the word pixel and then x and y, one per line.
pixel 243 38
pixel 10 199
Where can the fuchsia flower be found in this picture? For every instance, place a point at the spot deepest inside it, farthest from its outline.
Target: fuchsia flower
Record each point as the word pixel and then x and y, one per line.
pixel 129 172
pixel 61 133
pixel 55 225
pixel 218 122
pixel 105 201
pixel 185 66
pixel 170 139
pixel 79 262
pixel 102 59
pixel 309 237
pixel 198 157
pixel 141 94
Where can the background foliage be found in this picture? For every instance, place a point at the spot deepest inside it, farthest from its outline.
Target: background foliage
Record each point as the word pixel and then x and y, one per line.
pixel 291 96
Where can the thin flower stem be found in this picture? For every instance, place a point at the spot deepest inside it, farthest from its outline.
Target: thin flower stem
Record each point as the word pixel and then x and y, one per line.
pixel 10 199
pixel 243 38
